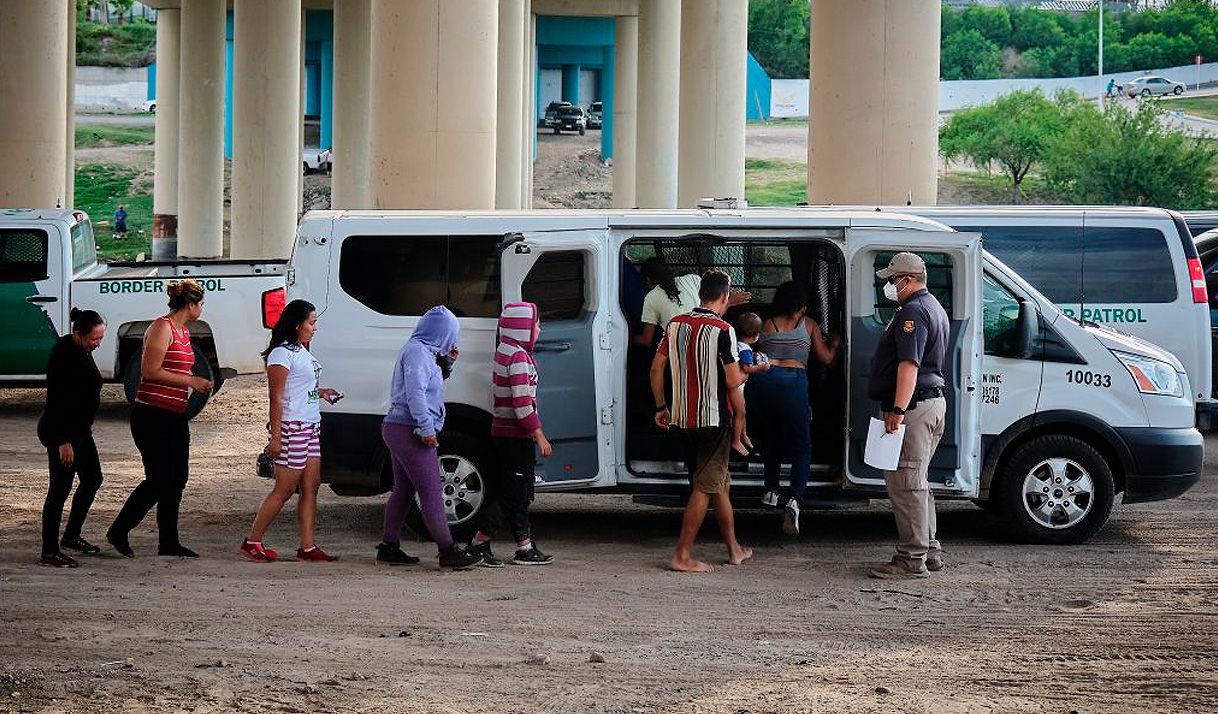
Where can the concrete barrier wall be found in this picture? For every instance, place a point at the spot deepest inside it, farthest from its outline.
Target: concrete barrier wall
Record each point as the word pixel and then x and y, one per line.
pixel 972 92
pixel 110 88
pixel 789 97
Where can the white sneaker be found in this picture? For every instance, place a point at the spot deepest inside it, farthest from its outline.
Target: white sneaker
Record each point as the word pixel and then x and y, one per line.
pixel 770 499
pixel 790 518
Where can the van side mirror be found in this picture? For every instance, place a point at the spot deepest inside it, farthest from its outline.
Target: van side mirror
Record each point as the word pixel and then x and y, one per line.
pixel 1028 333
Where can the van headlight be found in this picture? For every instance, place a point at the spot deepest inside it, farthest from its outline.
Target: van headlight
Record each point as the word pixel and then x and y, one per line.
pixel 1152 376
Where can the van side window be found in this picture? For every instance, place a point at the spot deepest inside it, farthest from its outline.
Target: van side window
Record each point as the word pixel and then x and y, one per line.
pixel 556 284
pixel 938 281
pixel 1049 257
pixel 999 318
pixel 84 250
pixel 23 255
pixel 1127 265
pixel 407 275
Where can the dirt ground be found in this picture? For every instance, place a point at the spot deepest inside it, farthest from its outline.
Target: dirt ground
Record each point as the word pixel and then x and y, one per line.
pixel 1126 623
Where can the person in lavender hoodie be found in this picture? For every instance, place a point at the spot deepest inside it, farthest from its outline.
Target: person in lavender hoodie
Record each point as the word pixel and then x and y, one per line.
pixel 410 430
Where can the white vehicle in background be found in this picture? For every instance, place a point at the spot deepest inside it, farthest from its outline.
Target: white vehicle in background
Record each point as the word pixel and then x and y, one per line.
pixel 317 160
pixel 1152 86
pixel 1133 269
pixel 1049 418
pixel 48 265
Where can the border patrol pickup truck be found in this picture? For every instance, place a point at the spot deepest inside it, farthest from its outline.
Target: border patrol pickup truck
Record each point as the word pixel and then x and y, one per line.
pixel 48 265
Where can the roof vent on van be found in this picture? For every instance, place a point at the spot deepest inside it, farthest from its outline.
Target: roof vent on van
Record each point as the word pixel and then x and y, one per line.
pixel 723 203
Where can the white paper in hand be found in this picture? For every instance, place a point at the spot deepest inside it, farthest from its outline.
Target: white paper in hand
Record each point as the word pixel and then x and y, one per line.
pixel 883 449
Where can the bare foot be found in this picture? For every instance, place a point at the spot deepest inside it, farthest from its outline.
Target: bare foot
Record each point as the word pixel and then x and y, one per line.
pixel 689 565
pixel 744 439
pixel 738 556
pixel 739 447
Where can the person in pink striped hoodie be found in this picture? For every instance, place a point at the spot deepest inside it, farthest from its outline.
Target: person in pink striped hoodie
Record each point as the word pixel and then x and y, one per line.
pixel 515 428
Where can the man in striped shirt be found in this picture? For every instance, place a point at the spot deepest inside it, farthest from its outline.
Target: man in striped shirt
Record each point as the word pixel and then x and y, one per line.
pixel 699 351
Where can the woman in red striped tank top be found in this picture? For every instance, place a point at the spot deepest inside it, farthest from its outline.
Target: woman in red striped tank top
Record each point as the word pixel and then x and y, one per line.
pixel 159 424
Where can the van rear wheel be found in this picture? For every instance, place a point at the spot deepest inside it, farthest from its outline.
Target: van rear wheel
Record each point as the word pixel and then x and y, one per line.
pixel 464 486
pixel 1056 490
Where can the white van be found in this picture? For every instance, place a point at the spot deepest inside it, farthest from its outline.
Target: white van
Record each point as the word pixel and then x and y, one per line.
pixel 1133 269
pixel 1048 418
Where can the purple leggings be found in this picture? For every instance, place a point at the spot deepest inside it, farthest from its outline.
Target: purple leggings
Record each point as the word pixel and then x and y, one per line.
pixel 416 469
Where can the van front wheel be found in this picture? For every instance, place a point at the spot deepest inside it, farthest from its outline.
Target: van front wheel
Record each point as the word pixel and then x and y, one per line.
pixel 1056 490
pixel 464 486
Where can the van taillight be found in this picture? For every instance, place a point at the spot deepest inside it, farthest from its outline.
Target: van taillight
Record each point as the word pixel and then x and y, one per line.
pixel 272 306
pixel 1197 276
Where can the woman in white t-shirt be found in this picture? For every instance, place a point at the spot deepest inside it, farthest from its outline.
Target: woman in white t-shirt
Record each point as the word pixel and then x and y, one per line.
pixel 668 297
pixel 294 379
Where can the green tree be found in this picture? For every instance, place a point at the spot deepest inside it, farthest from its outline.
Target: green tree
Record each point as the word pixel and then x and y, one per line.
pixel 1034 28
pixel 1048 62
pixel 1119 156
pixel 1013 131
pixel 968 55
pixel 778 36
pixel 994 23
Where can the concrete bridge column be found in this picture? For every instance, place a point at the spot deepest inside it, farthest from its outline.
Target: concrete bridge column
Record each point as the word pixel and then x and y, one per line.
pixel 69 166
pixel 529 130
pixel 625 89
pixel 201 131
pixel 266 160
pixel 34 110
pixel 349 175
pixel 433 103
pixel 165 171
pixel 874 102
pixel 658 102
pixel 513 18
pixel 714 47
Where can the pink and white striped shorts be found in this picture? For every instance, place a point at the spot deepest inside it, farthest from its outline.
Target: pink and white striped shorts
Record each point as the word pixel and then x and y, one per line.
pixel 299 441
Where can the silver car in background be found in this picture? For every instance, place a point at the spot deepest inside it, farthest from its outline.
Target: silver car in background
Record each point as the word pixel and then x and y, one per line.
pixel 1150 86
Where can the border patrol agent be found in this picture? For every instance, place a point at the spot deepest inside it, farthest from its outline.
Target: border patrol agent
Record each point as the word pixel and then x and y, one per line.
pixel 907 380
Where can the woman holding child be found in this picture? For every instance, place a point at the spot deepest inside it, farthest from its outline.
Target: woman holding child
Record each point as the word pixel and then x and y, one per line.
pixel 778 396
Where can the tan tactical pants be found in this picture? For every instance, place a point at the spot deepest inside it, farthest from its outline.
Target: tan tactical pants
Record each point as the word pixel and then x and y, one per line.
pixel 908 488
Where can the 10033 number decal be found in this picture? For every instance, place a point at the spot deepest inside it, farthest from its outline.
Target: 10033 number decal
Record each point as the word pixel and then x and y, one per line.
pixel 1090 379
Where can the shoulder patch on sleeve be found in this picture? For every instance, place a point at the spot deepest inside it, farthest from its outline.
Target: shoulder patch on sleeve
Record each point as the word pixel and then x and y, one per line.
pixel 908 326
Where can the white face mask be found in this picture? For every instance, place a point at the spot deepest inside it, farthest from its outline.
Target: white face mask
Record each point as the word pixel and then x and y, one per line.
pixel 890 291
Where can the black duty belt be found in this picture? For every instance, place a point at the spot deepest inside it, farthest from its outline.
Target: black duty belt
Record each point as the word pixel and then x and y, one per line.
pixel 927 393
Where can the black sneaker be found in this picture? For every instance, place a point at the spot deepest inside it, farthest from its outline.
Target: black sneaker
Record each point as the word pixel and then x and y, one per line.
pixel 120 543
pixel 456 558
pixel 79 544
pixel 483 550
pixel 392 554
pixel 57 560
pixel 179 551
pixel 532 556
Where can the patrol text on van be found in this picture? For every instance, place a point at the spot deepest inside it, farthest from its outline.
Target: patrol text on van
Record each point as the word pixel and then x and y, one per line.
pixel 1048 418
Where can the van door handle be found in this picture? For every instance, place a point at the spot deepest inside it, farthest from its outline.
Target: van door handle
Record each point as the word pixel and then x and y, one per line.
pixel 552 346
pixel 42 298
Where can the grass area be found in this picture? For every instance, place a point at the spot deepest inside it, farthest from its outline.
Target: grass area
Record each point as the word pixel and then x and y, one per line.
pixel 100 189
pixel 775 182
pixel 970 188
pixel 131 44
pixel 94 135
pixel 780 121
pixel 1205 107
pixel 781 182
